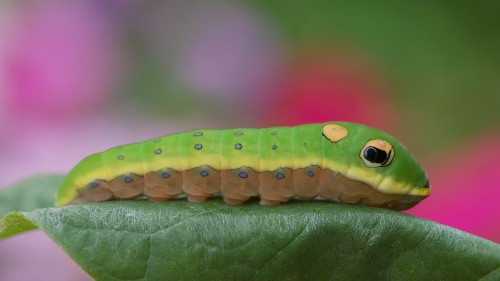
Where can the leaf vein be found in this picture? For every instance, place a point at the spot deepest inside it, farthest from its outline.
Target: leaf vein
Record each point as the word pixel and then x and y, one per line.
pixel 279 252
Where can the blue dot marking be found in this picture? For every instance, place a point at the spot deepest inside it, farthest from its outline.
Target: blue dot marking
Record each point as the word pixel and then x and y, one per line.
pixel 243 175
pixel 273 133
pixel 94 185
pixel 120 157
pixel 203 173
pixel 197 134
pixel 165 175
pixel 310 173
pixel 198 146
pixel 274 146
pixel 158 151
pixel 128 179
pixel 280 176
pixel 239 133
pixel 238 146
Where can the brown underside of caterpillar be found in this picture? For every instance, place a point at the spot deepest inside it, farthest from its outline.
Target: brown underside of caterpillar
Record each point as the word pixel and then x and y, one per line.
pixel 237 186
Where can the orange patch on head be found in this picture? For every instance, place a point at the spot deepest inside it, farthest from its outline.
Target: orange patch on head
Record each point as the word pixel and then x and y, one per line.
pixel 335 132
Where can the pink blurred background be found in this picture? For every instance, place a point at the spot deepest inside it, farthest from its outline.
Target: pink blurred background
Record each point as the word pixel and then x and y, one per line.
pixel 78 77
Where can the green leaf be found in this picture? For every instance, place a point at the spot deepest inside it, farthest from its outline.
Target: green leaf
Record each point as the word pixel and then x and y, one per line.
pixel 15 223
pixel 179 240
pixel 33 193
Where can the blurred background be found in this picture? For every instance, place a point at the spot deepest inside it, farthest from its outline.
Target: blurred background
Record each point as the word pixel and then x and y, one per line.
pixel 77 77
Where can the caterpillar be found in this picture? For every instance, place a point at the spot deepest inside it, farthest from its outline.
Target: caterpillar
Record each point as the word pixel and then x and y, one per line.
pixel 337 161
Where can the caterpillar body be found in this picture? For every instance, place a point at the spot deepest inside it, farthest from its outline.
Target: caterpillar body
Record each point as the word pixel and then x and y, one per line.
pixel 337 161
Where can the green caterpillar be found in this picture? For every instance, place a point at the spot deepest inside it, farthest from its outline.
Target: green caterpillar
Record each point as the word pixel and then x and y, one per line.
pixel 336 161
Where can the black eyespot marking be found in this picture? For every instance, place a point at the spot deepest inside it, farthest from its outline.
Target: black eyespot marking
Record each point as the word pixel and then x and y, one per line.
pixel 197 134
pixel 239 133
pixel 158 151
pixel 203 173
pixel 243 175
pixel 120 157
pixel 94 185
pixel 128 179
pixel 274 146
pixel 198 146
pixel 375 155
pixel 388 158
pixel 273 133
pixel 165 175
pixel 280 176
pixel 238 146
pixel 310 173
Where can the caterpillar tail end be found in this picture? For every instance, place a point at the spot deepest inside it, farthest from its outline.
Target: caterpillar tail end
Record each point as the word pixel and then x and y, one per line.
pixel 66 193
pixel 68 190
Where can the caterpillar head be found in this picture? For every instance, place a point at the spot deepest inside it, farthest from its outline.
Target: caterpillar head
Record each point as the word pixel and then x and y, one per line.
pixel 372 157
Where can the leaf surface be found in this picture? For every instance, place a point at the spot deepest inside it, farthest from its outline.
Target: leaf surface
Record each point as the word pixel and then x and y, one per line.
pixel 32 193
pixel 179 240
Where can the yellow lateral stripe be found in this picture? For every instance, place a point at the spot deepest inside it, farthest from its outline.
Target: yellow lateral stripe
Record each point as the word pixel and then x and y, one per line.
pixel 101 173
pixel 385 185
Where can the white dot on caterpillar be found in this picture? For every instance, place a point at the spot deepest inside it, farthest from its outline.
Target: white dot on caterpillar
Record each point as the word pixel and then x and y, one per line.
pixel 381 142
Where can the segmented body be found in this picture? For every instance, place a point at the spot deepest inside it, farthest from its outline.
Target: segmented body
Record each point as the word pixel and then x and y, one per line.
pixel 276 164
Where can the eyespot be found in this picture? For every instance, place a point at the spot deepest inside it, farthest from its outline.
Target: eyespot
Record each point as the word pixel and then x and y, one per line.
pixel 377 153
